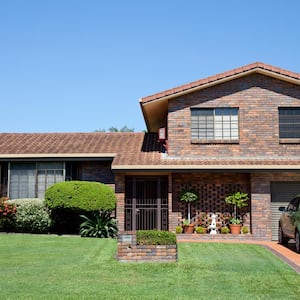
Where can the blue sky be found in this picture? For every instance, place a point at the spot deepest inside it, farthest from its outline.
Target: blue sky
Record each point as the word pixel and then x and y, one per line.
pixel 82 65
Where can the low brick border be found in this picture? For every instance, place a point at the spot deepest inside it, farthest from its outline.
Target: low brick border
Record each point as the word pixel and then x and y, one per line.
pixel 129 251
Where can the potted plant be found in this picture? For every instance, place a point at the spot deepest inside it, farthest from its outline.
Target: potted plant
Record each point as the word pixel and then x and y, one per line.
pixel 188 196
pixel 235 226
pixel 187 226
pixel 238 200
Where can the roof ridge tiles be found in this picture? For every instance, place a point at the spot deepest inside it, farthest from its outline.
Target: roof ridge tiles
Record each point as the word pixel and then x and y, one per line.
pixel 220 76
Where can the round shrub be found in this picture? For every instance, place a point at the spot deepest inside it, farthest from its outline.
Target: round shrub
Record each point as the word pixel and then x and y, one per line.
pixel 83 195
pixel 245 230
pixel 178 229
pixel 225 230
pixel 32 215
pixel 200 230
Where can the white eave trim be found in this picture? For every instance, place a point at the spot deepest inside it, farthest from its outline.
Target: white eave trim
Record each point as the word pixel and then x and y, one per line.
pixel 206 167
pixel 58 155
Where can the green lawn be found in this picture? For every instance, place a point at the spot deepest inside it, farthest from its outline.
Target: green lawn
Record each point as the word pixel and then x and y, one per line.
pixel 54 267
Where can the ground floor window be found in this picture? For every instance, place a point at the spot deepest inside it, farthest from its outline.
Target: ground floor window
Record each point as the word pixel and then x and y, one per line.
pixel 30 180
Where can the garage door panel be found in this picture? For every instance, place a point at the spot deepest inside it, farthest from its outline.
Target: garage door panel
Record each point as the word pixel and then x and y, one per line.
pixel 281 194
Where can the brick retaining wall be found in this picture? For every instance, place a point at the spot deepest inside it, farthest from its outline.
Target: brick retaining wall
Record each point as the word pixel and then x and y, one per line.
pixel 129 251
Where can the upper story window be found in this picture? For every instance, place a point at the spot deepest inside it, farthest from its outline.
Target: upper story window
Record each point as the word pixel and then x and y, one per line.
pixel 214 124
pixel 289 123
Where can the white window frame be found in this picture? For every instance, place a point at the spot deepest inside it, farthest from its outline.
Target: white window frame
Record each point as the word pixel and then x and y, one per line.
pixel 219 124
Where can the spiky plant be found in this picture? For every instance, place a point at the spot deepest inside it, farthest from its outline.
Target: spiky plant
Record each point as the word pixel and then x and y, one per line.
pixel 99 225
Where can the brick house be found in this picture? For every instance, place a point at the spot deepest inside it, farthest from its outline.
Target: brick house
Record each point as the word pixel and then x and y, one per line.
pixel 235 131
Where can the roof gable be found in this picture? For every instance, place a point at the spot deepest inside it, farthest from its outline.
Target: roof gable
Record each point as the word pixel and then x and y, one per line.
pixel 257 67
pixel 154 107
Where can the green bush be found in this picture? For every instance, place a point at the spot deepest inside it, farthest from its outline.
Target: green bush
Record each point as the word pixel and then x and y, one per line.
pixel 245 230
pixel 83 195
pixel 178 229
pixel 32 215
pixel 155 237
pixel 99 225
pixel 66 220
pixel 225 230
pixel 7 215
pixel 200 230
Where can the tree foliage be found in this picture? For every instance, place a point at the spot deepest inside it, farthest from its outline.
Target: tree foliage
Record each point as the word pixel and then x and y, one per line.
pixel 115 129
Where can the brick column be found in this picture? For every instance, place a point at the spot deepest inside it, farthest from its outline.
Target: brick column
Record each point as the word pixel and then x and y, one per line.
pixel 261 206
pixel 120 194
pixel 174 216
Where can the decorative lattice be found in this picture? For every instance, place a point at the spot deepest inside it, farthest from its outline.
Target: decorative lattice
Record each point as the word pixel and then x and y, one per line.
pixel 212 200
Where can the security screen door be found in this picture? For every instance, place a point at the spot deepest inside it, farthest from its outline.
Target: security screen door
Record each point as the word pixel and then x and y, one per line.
pixel 146 203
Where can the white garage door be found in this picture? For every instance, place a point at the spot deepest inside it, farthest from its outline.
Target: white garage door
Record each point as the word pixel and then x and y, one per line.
pixel 281 194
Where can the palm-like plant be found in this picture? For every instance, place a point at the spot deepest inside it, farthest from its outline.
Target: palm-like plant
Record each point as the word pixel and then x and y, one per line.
pixel 99 225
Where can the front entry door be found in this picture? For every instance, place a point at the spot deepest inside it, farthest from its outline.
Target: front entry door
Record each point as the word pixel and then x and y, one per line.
pixel 146 203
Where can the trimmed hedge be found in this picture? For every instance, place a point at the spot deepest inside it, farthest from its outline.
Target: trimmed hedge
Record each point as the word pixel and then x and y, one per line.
pixel 155 237
pixel 83 195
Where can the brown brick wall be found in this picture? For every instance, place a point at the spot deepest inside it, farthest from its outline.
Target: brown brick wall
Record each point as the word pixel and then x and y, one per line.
pixel 174 214
pixel 212 189
pixel 95 171
pixel 257 97
pixel 120 194
pixel 129 251
pixel 261 201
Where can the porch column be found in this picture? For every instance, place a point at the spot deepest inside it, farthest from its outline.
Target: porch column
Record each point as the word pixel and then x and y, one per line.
pixel 174 216
pixel 120 195
pixel 261 206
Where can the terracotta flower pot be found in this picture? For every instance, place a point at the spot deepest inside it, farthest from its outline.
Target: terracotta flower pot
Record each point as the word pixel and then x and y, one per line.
pixel 235 228
pixel 189 228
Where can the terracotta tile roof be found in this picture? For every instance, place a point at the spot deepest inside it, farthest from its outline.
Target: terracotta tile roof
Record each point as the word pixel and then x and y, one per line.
pixel 62 143
pixel 129 150
pixel 223 76
pixel 126 147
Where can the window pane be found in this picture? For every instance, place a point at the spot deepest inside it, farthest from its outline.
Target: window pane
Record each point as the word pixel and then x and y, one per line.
pixel 289 122
pixel 22 180
pixel 218 123
pixel 218 134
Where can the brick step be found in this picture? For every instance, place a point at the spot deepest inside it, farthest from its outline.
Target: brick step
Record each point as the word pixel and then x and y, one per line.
pixel 199 237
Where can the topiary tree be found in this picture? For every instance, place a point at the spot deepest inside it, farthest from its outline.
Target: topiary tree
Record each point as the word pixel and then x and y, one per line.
pixel 238 200
pixel 188 196
pixel 70 199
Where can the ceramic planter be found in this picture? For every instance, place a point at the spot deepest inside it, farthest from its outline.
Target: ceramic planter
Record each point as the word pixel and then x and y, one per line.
pixel 188 228
pixel 235 228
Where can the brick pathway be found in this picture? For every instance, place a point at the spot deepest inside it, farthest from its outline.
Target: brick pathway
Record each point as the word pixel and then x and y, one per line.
pixel 286 253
